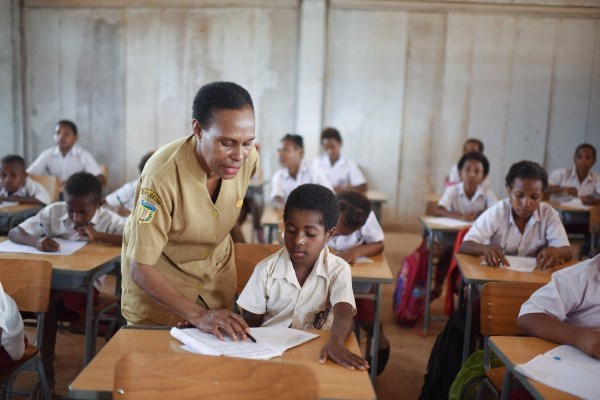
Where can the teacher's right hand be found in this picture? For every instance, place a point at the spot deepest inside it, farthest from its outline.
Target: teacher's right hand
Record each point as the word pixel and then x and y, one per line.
pixel 222 322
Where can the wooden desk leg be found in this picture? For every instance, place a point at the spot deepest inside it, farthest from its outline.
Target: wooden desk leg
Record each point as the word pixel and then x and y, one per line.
pixel 506 384
pixel 428 283
pixel 376 331
pixel 468 323
pixel 89 310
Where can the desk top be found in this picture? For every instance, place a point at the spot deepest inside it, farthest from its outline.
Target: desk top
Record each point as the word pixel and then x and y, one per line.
pixel 430 226
pixel 271 217
pixel 473 272
pixel 561 207
pixel 514 350
pixel 334 381
pixel 19 208
pixel 378 271
pixel 376 196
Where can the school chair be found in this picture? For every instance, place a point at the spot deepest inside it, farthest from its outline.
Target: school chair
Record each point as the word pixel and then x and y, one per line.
pixel 50 183
pixel 594 231
pixel 193 376
pixel 28 282
pixel 500 306
pixel 247 255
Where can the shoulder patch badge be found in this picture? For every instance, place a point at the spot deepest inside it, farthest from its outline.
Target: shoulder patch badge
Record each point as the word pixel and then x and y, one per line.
pixel 145 211
pixel 152 195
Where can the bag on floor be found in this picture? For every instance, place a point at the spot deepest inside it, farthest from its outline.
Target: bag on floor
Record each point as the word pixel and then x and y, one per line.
pixel 409 294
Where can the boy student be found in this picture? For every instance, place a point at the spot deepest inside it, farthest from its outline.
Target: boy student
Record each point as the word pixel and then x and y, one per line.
pixel 67 157
pixel 13 340
pixel 15 185
pixel 520 225
pixel 303 285
pixel 341 172
pixel 121 200
pixel 358 234
pixel 295 172
pixel 567 309
pixel 578 180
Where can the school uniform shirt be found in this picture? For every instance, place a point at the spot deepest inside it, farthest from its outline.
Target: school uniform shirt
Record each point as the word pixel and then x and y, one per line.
pixel 176 228
pixel 52 162
pixel 343 173
pixel 274 290
pixel 282 183
pixel 455 199
pixel 496 226
pixel 370 232
pixel 572 296
pixel 454 178
pixel 123 196
pixel 11 327
pixel 567 177
pixel 30 188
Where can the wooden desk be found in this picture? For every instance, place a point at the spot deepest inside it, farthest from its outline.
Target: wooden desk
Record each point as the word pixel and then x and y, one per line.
pixel 77 272
pixel 377 199
pixel 271 219
pixel 13 215
pixel 473 274
pixel 96 380
pixel 513 350
pixel 572 215
pixel 433 230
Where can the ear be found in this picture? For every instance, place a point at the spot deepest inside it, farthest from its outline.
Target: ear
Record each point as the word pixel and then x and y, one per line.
pixel 197 129
pixel 330 234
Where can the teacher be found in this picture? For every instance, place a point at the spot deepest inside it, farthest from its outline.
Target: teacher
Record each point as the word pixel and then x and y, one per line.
pixel 177 257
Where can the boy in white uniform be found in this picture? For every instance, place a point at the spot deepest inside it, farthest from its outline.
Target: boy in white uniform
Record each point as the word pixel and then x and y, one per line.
pixel 121 200
pixel 13 342
pixel 341 172
pixel 567 310
pixel 295 172
pixel 303 285
pixel 15 185
pixel 469 146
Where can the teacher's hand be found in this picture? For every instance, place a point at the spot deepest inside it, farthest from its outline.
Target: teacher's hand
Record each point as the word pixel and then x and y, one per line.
pixel 222 322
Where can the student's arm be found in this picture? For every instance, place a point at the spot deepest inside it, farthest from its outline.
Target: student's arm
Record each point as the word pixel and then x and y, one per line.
pixel 164 293
pixel 22 200
pixel 549 328
pixel 253 320
pixel 363 250
pixel 340 330
pixel 44 243
pixel 102 179
pixel 590 200
pixel 443 212
pixel 555 189
pixel 552 256
pixel 492 254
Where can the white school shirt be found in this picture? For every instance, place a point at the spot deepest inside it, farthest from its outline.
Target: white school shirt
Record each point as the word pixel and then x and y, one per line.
pixel 11 327
pixel 497 226
pixel 52 162
pixel 274 290
pixel 455 199
pixel 123 196
pixel 343 173
pixel 370 232
pixel 454 178
pixel 572 296
pixel 30 188
pixel 282 183
pixel 567 177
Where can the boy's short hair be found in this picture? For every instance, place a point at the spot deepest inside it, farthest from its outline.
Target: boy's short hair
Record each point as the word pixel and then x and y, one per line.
pixel 144 160
pixel 317 198
pixel 331 133
pixel 13 159
pixel 217 96
pixel 68 123
pixel 586 146
pixel 477 141
pixel 296 139
pixel 473 155
pixel 84 184
pixel 355 208
pixel 526 170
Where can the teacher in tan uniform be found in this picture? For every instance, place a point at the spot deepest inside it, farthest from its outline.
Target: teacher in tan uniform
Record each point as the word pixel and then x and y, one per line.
pixel 177 258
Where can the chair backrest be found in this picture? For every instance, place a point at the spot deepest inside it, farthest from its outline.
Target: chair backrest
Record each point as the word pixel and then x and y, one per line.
pixel 28 282
pixel 50 183
pixel 247 255
pixel 500 306
pixel 187 376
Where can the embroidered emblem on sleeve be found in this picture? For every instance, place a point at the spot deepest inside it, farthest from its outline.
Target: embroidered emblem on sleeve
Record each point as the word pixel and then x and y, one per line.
pixel 145 211
pixel 152 195
pixel 239 203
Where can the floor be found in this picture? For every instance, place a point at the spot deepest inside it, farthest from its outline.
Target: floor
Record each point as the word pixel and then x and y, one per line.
pixel 402 378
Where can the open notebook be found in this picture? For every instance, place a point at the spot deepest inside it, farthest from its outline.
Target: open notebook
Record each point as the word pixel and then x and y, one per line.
pixel 270 342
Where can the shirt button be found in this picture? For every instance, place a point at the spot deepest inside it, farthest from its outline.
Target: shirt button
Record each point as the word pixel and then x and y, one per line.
pixel 215 213
pixel 213 239
pixel 205 254
pixel 197 265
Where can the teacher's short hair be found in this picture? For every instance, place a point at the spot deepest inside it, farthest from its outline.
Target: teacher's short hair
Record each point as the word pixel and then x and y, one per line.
pixel 217 96
pixel 316 198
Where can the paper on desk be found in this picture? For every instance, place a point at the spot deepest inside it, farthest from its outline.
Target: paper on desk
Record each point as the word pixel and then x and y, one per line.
pixel 520 264
pixel 575 202
pixel 448 222
pixel 270 342
pixel 362 260
pixel 67 247
pixel 4 204
pixel 567 369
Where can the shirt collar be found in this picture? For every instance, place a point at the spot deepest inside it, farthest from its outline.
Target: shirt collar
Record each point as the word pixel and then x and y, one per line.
pixel 74 150
pixel 303 169
pixel 461 191
pixel 284 269
pixel 535 217
pixel 573 176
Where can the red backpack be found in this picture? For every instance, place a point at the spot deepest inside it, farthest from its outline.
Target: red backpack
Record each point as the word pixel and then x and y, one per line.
pixel 409 294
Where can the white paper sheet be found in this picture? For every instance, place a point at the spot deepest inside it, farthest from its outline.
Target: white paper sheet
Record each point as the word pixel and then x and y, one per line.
pixel 448 222
pixel 4 204
pixel 567 369
pixel 67 247
pixel 575 202
pixel 520 264
pixel 362 260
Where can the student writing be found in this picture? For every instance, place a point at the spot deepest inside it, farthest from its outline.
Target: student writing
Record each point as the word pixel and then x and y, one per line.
pixel 15 185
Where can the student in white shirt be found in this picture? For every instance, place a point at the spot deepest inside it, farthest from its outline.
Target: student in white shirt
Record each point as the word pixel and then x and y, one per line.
pixel 13 340
pixel 567 309
pixel 295 172
pixel 67 157
pixel 341 172
pixel 520 225
pixel 303 285
pixel 15 185
pixel 578 180
pixel 469 146
pixel 121 200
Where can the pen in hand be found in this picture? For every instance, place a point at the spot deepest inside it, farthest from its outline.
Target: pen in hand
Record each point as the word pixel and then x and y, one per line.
pixel 54 245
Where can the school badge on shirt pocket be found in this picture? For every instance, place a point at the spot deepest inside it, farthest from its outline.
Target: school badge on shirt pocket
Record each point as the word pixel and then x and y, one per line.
pixel 145 211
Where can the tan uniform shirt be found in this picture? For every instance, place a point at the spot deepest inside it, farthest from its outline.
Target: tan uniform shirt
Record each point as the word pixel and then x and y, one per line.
pixel 176 228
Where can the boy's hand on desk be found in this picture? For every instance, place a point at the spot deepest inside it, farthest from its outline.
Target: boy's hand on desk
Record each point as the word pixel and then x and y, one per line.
pixel 590 200
pixel 340 354
pixel 589 342
pixel 469 217
pixel 546 258
pixel 47 244
pixel 222 322
pixel 123 212
pixel 87 232
pixel 494 256
pixel 349 255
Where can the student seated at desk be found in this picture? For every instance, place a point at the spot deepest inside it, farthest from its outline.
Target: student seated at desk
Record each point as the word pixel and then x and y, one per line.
pixel 358 234
pixel 471 145
pixel 15 185
pixel 578 180
pixel 67 157
pixel 341 172
pixel 567 309
pixel 13 340
pixel 520 225
pixel 295 172
pixel 303 285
